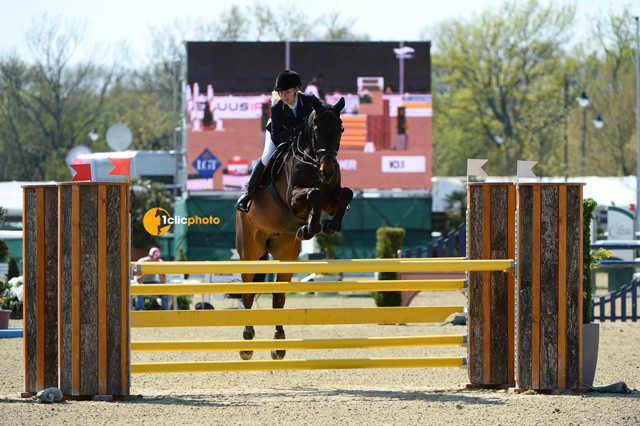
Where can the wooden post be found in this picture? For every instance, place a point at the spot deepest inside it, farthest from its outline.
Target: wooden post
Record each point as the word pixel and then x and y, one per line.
pixel 94 258
pixel 491 235
pixel 40 260
pixel 549 290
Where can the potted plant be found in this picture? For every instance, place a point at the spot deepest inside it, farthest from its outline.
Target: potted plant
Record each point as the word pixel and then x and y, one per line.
pixel 590 330
pixel 10 300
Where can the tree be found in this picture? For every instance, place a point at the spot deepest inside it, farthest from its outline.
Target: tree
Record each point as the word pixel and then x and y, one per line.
pixel 260 22
pixel 456 209
pixel 328 243
pixel 48 107
pixel 610 74
pixel 496 81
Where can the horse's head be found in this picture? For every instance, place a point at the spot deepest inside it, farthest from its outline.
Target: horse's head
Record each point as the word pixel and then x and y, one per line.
pixel 326 131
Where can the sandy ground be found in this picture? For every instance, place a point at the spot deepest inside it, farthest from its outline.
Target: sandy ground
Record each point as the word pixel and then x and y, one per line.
pixel 391 396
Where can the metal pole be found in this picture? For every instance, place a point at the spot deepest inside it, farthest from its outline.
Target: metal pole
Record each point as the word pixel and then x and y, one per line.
pixel 287 55
pixel 401 71
pixel 584 140
pixel 566 129
pixel 174 125
pixel 638 124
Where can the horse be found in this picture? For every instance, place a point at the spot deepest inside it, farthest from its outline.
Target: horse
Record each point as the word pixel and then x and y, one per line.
pixel 305 183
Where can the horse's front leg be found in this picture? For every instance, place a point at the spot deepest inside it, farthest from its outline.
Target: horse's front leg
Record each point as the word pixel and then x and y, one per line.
pixel 247 300
pixel 345 195
pixel 314 200
pixel 248 333
pixel 278 303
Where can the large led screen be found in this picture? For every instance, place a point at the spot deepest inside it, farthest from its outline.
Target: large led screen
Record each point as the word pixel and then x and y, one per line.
pixel 228 93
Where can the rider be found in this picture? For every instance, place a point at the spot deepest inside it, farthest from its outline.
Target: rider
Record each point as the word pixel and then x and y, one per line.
pixel 289 110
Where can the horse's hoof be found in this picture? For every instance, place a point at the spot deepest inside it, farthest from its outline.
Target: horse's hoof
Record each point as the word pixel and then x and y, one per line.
pixel 327 228
pixel 278 335
pixel 249 333
pixel 278 354
pixel 246 355
pixel 302 234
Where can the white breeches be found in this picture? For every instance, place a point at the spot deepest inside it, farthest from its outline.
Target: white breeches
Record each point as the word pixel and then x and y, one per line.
pixel 269 147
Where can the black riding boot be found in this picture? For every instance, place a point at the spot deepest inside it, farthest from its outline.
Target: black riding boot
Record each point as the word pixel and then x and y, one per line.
pixel 252 185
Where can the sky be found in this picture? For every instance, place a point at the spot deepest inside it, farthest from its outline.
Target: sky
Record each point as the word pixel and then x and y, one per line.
pixel 111 22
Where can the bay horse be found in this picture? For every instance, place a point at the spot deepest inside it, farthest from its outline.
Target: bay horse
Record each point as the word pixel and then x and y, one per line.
pixel 305 183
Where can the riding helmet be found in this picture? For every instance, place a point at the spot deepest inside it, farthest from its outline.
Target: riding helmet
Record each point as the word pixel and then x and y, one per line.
pixel 286 80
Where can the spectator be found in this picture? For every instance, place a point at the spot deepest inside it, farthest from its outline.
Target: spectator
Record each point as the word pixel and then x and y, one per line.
pixel 155 255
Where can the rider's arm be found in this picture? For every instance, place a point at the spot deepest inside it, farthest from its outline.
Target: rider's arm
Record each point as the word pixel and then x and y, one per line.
pixel 279 132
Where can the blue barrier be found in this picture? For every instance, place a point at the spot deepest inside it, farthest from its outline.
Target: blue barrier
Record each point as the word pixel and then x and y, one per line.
pixel 617 301
pixel 453 245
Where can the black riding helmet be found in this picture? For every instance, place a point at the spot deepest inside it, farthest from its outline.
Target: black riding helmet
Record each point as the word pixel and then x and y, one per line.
pixel 286 80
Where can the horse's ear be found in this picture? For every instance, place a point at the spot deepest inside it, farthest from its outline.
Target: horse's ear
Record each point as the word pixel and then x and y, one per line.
pixel 316 104
pixel 338 107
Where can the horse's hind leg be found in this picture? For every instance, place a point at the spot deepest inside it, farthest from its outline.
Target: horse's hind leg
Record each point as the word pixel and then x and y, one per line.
pixel 248 333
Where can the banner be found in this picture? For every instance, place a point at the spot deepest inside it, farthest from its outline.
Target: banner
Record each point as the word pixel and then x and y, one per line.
pixel 415 105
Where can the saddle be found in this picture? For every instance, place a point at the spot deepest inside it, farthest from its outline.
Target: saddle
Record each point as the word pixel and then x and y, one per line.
pixel 275 162
pixel 271 171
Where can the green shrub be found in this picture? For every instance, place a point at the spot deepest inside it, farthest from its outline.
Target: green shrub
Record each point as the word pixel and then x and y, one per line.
pixel 388 242
pixel 12 268
pixel 590 259
pixel 184 303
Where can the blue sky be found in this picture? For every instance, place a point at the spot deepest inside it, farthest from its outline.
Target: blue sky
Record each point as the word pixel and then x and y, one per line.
pixel 109 23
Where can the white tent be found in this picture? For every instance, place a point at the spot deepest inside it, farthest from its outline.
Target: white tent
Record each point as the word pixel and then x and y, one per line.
pixel 11 197
pixel 606 191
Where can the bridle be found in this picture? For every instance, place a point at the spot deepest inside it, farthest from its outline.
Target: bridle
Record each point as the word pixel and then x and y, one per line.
pixel 315 157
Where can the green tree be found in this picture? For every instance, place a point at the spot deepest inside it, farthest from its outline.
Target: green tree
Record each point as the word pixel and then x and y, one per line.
pixel 456 209
pixel 609 74
pixel 328 243
pixel 496 80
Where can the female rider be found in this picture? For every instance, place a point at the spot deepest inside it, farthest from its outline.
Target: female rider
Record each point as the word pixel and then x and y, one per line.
pixel 289 110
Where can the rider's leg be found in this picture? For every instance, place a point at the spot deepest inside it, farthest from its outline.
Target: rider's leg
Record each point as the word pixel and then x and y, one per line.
pixel 256 174
pixel 252 185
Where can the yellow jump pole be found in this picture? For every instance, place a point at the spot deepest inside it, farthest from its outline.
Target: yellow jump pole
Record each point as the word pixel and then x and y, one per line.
pixel 324 266
pixel 319 316
pixel 295 364
pixel 295 344
pixel 296 287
